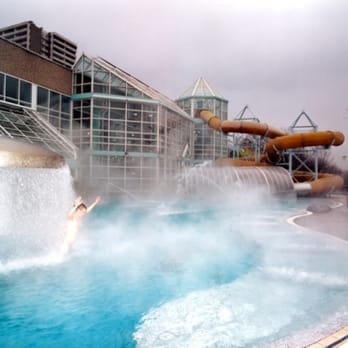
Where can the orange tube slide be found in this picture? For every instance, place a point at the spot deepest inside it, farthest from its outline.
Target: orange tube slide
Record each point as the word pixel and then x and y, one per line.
pixel 325 182
pixel 296 140
pixel 280 141
pixel 236 126
pixel 236 162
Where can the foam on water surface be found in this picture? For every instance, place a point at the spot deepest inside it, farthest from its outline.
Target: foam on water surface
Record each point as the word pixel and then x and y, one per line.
pixel 21 264
pixel 300 283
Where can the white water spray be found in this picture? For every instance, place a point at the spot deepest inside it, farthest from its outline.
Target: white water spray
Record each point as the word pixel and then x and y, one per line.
pixel 33 207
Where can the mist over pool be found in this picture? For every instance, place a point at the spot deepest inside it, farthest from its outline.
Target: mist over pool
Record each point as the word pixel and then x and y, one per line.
pixel 178 273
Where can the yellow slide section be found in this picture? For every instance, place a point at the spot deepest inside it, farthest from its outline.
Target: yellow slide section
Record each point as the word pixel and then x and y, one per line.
pixel 280 141
pixel 297 140
pixel 236 126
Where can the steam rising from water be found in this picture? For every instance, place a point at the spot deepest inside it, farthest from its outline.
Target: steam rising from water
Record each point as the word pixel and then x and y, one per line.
pixel 241 275
pixel 177 274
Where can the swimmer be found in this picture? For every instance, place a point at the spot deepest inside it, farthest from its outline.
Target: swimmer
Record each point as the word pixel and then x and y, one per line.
pixel 75 216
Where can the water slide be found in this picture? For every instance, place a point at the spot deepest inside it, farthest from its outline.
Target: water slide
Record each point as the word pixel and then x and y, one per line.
pixel 281 141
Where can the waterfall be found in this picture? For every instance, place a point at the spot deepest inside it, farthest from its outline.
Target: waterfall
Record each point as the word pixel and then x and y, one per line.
pixel 207 180
pixel 33 207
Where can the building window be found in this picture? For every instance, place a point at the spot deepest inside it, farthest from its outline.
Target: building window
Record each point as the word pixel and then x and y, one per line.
pixel 55 107
pixel 65 104
pixel 15 91
pixel 199 104
pixel 25 93
pixel 42 97
pixel 54 101
pixel 2 80
pixel 11 89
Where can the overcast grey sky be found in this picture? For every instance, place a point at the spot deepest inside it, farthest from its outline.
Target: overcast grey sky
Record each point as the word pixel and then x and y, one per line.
pixel 278 56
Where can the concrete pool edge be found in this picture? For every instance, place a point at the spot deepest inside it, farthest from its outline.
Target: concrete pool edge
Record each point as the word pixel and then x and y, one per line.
pixel 335 340
pixel 332 221
pixel 325 222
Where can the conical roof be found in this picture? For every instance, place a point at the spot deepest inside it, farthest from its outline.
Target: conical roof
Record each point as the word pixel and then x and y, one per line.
pixel 200 88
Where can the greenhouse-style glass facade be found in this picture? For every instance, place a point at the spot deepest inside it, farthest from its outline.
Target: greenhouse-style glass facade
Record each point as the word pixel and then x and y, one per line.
pixel 133 137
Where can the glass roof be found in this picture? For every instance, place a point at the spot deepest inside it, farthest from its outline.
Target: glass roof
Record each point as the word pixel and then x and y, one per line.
pixel 141 86
pixel 29 126
pixel 200 88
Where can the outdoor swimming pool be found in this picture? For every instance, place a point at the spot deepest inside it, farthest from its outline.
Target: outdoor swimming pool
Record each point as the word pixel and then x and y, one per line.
pixel 179 274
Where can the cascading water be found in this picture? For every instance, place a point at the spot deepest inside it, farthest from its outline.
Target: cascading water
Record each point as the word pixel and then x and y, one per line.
pixel 205 179
pixel 33 207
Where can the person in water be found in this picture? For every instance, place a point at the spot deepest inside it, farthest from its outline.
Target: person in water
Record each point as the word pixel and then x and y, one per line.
pixel 75 216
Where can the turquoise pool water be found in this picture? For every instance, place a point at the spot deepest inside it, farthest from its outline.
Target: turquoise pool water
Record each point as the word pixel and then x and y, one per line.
pixel 178 275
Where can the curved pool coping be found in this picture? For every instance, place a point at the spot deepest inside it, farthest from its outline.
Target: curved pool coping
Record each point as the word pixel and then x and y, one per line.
pixel 339 338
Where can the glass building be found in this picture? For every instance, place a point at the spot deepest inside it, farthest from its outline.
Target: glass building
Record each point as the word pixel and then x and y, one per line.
pixel 133 137
pixel 119 135
pixel 208 144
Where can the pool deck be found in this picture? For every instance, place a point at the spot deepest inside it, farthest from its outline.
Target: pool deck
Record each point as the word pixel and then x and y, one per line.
pixel 337 339
pixel 333 221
